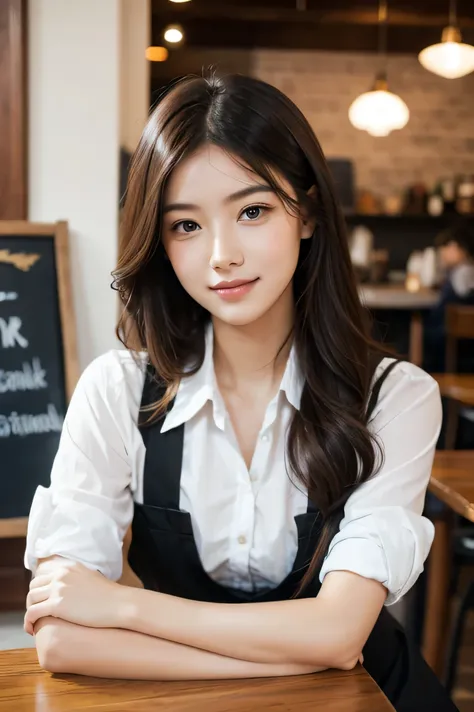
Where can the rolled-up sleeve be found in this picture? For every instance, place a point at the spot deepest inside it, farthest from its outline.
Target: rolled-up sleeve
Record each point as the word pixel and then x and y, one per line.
pixel 383 535
pixel 86 510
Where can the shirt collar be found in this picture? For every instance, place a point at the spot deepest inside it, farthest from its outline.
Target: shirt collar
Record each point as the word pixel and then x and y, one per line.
pixel 196 390
pixel 292 382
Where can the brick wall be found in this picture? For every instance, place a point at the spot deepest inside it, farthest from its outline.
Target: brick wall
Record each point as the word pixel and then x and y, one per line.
pixel 438 140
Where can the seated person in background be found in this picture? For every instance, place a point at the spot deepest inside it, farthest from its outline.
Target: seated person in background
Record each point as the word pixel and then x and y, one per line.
pixel 456 250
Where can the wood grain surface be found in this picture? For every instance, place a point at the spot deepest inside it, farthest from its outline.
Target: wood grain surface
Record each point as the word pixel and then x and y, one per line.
pixel 459 386
pixel 394 296
pixel 452 480
pixel 13 110
pixel 24 687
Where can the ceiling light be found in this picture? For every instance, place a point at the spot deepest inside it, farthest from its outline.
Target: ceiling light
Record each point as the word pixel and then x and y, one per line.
pixel 379 111
pixel 451 58
pixel 156 54
pixel 173 34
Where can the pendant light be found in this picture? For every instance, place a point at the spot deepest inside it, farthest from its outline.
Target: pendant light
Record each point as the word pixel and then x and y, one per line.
pixel 173 34
pixel 379 111
pixel 451 58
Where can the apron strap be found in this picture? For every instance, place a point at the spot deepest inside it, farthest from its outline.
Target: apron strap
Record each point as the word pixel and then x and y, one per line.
pixel 164 451
pixel 374 396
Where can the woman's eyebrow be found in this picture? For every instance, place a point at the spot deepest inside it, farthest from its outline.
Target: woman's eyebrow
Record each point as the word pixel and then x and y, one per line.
pixel 244 193
pixel 179 206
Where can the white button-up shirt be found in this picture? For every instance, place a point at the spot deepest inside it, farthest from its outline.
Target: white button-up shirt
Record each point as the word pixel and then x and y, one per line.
pixel 243 519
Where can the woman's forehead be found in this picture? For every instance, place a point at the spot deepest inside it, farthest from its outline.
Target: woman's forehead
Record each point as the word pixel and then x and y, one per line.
pixel 210 173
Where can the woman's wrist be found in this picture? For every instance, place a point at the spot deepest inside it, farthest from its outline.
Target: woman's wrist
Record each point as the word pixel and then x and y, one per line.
pixel 126 607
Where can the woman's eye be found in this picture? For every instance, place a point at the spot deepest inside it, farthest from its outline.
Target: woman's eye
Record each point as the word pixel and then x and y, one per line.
pixel 185 226
pixel 253 212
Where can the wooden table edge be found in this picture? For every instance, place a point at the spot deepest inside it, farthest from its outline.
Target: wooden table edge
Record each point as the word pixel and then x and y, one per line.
pixel 16 663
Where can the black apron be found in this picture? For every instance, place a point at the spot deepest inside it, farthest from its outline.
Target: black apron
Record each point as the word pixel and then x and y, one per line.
pixel 164 556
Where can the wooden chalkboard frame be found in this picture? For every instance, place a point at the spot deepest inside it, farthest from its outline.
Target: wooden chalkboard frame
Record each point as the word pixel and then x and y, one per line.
pixel 17 527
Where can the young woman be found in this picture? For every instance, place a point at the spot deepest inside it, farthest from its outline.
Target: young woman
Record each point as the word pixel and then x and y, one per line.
pixel 260 445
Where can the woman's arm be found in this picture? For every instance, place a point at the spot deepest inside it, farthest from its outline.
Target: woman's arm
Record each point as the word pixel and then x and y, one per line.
pixel 314 633
pixel 128 578
pixel 85 513
pixel 327 631
pixel 104 652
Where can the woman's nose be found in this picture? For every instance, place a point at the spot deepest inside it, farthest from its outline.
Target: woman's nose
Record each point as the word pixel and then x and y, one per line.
pixel 225 253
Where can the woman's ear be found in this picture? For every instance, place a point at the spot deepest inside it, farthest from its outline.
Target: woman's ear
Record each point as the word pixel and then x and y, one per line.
pixel 309 220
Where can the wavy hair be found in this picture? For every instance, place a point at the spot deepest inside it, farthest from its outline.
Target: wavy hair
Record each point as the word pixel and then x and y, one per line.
pixel 330 449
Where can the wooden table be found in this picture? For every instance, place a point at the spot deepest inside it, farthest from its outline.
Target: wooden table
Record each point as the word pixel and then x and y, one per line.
pixel 452 481
pixel 459 386
pixel 396 296
pixel 24 687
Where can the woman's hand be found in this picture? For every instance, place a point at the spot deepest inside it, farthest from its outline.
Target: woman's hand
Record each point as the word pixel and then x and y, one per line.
pixel 73 593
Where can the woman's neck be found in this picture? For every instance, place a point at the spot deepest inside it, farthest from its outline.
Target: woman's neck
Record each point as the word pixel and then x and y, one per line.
pixel 255 353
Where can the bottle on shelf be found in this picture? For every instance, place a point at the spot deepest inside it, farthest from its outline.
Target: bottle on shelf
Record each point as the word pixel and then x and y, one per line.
pixel 465 195
pixel 415 199
pixel 435 203
pixel 448 189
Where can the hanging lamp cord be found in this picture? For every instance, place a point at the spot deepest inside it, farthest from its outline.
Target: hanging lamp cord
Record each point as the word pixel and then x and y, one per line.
pixel 452 13
pixel 382 37
pixel 382 21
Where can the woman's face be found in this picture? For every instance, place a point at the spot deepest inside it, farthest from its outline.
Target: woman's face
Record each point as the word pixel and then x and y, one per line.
pixel 232 244
pixel 452 254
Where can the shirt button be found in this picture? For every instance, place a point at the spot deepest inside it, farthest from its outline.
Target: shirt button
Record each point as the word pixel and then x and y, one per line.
pixel 242 539
pixel 265 438
pixel 253 477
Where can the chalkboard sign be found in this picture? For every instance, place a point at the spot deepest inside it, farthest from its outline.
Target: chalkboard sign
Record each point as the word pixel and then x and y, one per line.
pixel 38 361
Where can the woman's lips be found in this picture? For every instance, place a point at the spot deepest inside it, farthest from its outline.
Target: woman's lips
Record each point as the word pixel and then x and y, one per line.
pixel 233 290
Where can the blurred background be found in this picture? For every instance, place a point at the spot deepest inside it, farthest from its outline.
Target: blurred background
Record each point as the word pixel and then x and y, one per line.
pixel 388 88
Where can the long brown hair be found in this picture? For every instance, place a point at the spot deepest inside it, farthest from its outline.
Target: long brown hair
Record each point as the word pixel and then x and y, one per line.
pixel 329 448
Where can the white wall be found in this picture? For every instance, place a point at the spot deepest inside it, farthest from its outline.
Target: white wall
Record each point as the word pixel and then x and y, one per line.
pixel 74 140
pixel 134 70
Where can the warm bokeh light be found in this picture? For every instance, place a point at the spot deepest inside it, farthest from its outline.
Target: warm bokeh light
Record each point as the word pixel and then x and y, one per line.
pixel 173 34
pixel 412 283
pixel 378 112
pixel 451 58
pixel 156 54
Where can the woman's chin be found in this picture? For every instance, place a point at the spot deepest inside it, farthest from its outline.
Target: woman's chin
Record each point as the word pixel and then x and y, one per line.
pixel 238 314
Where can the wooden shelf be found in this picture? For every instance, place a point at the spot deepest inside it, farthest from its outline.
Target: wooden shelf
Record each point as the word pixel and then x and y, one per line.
pixel 446 218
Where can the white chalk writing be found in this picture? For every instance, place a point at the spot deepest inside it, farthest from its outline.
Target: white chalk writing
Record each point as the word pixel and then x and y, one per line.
pixel 31 378
pixel 8 296
pixel 21 424
pixel 10 333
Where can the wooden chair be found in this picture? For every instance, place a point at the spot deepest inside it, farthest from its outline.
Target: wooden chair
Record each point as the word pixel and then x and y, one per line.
pixel 458 388
pixel 459 325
